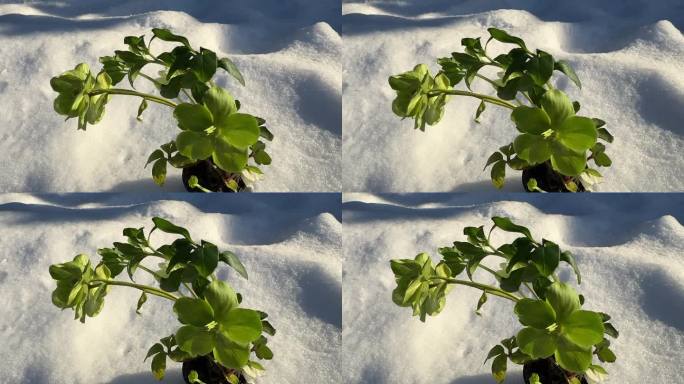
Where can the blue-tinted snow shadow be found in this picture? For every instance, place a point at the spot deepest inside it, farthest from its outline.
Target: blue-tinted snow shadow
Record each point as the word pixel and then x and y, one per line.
pixel 442 205
pixel 67 207
pixel 296 13
pixel 591 11
pixel 662 298
pixel 320 296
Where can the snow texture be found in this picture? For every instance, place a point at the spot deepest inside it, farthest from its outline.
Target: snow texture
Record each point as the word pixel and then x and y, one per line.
pixel 628 55
pixel 288 52
pixel 629 249
pixel 290 245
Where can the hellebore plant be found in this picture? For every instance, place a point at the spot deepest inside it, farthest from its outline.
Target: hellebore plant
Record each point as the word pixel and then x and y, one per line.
pixel 557 330
pixel 216 141
pixel 216 337
pixel 553 141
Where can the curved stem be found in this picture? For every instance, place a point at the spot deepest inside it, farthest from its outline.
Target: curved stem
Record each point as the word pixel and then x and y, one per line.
pixel 484 287
pixel 119 91
pixel 531 290
pixel 485 78
pixel 489 99
pixel 144 288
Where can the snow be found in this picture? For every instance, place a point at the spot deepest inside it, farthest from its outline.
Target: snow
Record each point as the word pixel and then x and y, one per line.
pixel 290 245
pixel 288 53
pixel 628 247
pixel 628 55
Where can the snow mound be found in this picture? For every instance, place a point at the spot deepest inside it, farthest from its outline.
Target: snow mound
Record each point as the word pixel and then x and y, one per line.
pixel 294 275
pixel 629 249
pixel 627 55
pixel 288 55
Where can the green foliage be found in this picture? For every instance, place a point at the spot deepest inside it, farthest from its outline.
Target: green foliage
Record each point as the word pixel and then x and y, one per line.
pixel 550 130
pixel 207 115
pixel 550 311
pixel 208 309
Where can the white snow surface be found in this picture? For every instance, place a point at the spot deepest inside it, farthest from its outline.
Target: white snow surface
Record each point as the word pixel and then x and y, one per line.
pixel 290 246
pixel 629 249
pixel 287 51
pixel 628 55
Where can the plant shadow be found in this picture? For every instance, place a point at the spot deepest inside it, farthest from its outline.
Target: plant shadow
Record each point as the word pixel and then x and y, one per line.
pixel 511 378
pixel 172 376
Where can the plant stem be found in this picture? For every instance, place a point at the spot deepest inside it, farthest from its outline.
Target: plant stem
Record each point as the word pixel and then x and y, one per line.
pixel 485 78
pixel 484 287
pixel 489 99
pixel 531 290
pixel 144 288
pixel 119 91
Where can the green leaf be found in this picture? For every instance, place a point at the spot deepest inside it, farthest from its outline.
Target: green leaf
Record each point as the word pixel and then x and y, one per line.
pixel 194 145
pixel 546 258
pixel 239 129
pixel 229 353
pixel 168 227
pixel 222 298
pixel 159 365
pixel 481 302
pixel 557 105
pixel 194 340
pixel 166 35
pixel 584 328
pixel 564 67
pixel 232 69
pixel 204 65
pixel 610 330
pixel 191 311
pixel 507 225
pixel 535 313
pixel 536 343
pixel 228 157
pixel 495 351
pixel 603 134
pixel 157 348
pixel 496 156
pixel 572 357
pixel 499 368
pixel 534 149
pixel 531 120
pixel 156 155
pixel 232 260
pixel 567 161
pixel 504 37
pixel 498 174
pixel 577 133
pixel 606 355
pixel 141 301
pixel 194 117
pixel 220 103
pixel 242 325
pixel 480 109
pixel 159 171
pixel 563 299
pixel 540 67
pixel 568 258
pixel 264 352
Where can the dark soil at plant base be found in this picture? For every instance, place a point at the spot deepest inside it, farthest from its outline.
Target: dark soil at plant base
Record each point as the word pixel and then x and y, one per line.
pixel 549 372
pixel 547 179
pixel 208 371
pixel 210 177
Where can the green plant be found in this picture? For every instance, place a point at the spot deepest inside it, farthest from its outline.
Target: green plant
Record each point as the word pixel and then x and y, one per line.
pixel 211 126
pixel 212 322
pixel 550 132
pixel 555 325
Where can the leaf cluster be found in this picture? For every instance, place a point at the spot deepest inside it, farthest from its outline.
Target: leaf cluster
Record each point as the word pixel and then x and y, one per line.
pixel 212 321
pixel 208 116
pixel 545 117
pixel 554 322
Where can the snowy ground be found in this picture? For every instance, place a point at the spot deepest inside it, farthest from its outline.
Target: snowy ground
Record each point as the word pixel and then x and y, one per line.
pixel 292 258
pixel 287 51
pixel 628 55
pixel 629 249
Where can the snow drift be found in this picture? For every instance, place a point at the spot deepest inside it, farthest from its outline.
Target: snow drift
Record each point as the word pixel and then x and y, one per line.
pixel 289 245
pixel 628 55
pixel 628 248
pixel 288 54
